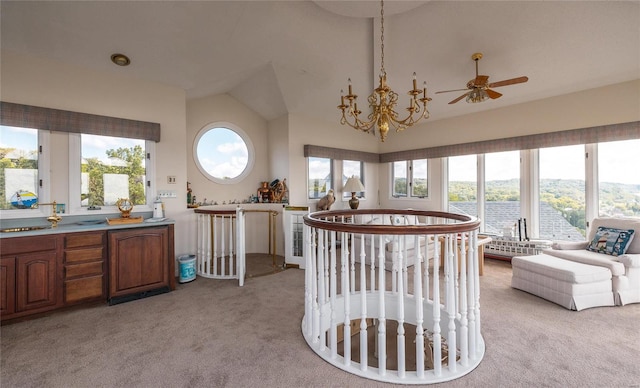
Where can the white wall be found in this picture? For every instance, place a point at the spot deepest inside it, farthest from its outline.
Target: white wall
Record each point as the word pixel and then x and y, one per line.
pixel 611 104
pixel 618 103
pixel 207 110
pixel 38 82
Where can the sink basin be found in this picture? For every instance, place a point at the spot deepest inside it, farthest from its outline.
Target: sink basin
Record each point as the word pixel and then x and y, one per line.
pixel 23 229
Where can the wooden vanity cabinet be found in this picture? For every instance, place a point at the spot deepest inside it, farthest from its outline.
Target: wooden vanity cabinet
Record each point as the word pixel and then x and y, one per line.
pixel 140 261
pixel 84 267
pixel 44 272
pixel 29 276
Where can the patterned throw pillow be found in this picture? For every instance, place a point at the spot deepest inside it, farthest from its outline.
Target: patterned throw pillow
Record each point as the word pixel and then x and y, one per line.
pixel 611 241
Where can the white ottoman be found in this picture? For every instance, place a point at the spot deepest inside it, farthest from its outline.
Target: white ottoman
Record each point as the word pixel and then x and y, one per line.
pixel 572 285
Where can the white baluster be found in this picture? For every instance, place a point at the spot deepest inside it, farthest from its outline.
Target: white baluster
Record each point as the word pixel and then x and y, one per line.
pixel 308 282
pixel 382 329
pixel 346 294
pixel 240 246
pixel 214 237
pixel 333 334
pixel 363 308
pixel 401 336
pixel 373 262
pixel 450 301
pixel 437 357
pixel 417 292
pixel 464 329
pixel 321 287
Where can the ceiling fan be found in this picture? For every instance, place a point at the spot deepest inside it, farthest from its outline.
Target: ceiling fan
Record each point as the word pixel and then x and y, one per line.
pixel 479 87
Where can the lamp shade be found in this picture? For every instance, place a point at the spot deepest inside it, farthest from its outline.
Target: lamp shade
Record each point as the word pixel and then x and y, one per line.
pixel 353 185
pixel 477 95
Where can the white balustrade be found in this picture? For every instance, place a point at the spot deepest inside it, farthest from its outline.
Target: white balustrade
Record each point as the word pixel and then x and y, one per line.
pixel 221 244
pixel 432 284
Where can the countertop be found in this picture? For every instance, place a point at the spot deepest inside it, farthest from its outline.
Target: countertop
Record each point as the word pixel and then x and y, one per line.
pixel 82 225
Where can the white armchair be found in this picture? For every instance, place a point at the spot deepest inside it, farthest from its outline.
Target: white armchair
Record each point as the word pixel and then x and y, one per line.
pixel 625 267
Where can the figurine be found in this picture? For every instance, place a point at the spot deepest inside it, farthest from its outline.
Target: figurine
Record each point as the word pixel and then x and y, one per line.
pixel 325 202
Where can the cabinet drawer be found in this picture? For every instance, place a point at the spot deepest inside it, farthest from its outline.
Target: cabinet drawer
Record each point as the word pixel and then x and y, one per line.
pixel 77 240
pixel 85 269
pixel 18 245
pixel 84 288
pixel 78 255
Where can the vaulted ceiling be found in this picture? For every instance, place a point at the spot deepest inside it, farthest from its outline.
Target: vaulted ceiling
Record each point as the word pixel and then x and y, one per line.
pixel 280 57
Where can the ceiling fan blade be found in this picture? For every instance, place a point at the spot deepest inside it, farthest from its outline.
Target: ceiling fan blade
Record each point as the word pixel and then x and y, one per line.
pixel 493 94
pixel 454 90
pixel 459 98
pixel 506 82
pixel 481 80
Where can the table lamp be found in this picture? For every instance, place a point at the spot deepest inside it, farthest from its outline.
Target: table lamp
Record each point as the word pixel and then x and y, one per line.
pixel 353 185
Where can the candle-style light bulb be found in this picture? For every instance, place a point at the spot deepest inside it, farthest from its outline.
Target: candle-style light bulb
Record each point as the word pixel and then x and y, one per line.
pixel 414 80
pixel 424 91
pixel 350 93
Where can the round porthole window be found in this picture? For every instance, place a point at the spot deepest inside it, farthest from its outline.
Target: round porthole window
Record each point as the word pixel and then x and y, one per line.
pixel 223 153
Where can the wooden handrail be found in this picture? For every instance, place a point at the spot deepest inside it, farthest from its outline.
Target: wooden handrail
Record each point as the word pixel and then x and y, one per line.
pixel 343 221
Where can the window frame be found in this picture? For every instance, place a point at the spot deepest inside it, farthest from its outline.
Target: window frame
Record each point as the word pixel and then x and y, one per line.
pixel 529 186
pixel 44 188
pixel 410 180
pixel 251 153
pixel 329 181
pixel 75 180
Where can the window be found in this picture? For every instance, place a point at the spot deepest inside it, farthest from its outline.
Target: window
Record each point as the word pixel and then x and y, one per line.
pixel 352 168
pixel 112 168
pixel 409 178
pixel 502 191
pixel 320 177
pixel 419 187
pixel 103 169
pixel 399 179
pixel 463 184
pixel 223 153
pixel 619 178
pixel 562 193
pixel 19 179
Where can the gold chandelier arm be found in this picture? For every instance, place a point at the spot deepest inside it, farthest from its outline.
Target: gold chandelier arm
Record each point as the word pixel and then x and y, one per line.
pixel 364 126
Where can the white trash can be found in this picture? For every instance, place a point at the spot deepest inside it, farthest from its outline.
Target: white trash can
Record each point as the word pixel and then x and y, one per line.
pixel 187 268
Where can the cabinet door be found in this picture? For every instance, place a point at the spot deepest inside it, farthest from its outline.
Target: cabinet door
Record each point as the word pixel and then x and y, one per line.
pixel 7 285
pixel 138 260
pixel 35 280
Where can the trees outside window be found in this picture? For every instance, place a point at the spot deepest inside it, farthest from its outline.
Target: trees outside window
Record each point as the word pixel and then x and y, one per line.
pixel 410 178
pixel 112 168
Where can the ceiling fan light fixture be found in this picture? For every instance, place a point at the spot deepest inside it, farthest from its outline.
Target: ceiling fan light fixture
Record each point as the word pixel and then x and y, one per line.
pixel 477 95
pixel 120 59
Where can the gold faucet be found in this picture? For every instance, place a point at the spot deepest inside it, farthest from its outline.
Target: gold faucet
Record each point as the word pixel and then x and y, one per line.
pixel 54 218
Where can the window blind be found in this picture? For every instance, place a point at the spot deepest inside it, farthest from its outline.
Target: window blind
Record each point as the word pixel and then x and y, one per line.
pixel 27 116
pixel 598 134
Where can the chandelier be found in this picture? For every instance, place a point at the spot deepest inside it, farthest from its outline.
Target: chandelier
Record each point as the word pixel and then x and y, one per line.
pixel 383 101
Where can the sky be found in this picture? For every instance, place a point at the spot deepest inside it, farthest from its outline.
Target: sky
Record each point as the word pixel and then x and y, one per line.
pixel 93 146
pixel 222 153
pixel 616 164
